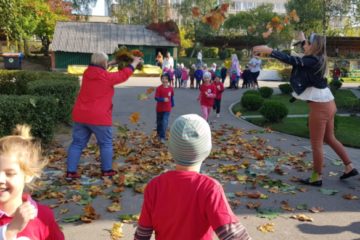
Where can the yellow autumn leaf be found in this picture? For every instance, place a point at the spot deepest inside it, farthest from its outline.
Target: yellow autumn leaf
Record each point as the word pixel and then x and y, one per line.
pixel 238 114
pixel 143 96
pixel 267 227
pixel 116 231
pixel 114 207
pixel 134 117
pixel 302 218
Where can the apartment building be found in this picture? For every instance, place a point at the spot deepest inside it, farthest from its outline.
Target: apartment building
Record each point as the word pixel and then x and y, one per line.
pixel 245 5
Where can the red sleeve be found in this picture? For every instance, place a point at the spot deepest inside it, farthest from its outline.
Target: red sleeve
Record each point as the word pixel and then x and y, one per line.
pixel 145 216
pixel 218 210
pixel 119 76
pixel 52 230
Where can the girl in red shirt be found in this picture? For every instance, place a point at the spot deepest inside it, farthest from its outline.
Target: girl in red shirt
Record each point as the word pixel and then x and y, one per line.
pixel 207 95
pixel 20 216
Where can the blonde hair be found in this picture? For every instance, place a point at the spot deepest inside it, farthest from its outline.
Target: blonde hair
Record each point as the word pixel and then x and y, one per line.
pixel 26 151
pixel 318 48
pixel 99 58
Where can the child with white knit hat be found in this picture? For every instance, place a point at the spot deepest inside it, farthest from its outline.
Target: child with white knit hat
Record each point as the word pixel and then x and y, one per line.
pixel 182 203
pixel 207 95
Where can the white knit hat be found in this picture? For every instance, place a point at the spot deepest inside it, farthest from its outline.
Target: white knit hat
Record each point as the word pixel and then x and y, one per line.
pixel 190 140
pixel 207 75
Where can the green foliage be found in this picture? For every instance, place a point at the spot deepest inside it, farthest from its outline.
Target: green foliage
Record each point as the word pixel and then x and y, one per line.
pixel 274 111
pixel 254 22
pixel 251 92
pixel 335 85
pixel 64 92
pixel 210 52
pixel 49 95
pixel 285 88
pixel 38 112
pixel 285 74
pixel 252 102
pixel 226 53
pixel 266 92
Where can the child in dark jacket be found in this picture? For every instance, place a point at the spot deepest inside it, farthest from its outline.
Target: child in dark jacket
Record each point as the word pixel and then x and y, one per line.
pixel 198 76
pixel 219 90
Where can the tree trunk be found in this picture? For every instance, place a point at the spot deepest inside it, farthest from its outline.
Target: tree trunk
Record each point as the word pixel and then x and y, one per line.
pixel 45 45
pixel 168 11
pixel 154 14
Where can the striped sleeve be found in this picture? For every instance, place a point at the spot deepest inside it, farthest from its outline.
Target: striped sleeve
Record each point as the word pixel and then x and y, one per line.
pixel 232 231
pixel 143 233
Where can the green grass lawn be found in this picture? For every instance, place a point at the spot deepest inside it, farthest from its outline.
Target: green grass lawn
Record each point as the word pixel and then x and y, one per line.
pixel 347 132
pixel 342 96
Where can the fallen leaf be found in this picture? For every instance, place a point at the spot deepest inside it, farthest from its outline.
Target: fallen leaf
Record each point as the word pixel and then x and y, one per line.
pixel 253 205
pixel 70 219
pixel 238 114
pixel 268 213
pixel 129 218
pixel 114 207
pixel 150 90
pixel 316 209
pixel 350 197
pixel 64 210
pixel 329 192
pixel 302 218
pixel 285 206
pixel 89 214
pixel 116 231
pixel 267 227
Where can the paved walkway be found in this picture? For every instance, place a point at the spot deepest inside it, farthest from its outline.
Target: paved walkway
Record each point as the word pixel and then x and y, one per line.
pixel 340 220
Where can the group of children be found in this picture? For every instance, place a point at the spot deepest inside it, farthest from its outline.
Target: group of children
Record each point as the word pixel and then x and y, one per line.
pixel 180 76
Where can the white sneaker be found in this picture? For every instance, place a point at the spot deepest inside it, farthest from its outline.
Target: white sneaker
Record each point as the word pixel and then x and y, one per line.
pixel 218 115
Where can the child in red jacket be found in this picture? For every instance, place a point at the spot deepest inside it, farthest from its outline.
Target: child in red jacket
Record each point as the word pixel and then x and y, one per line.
pixel 20 216
pixel 207 95
pixel 219 90
pixel 164 96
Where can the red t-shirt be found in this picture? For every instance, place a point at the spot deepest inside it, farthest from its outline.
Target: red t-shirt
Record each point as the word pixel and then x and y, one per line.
pixel 181 205
pixel 219 89
pixel 163 92
pixel 207 99
pixel 43 227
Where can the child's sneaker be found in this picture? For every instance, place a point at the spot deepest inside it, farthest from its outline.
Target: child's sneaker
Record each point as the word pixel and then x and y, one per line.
pixel 162 140
pixel 72 176
pixel 218 115
pixel 108 173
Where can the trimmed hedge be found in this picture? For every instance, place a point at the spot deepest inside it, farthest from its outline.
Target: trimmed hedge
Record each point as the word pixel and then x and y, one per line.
pixel 285 88
pixel 266 92
pixel 251 92
pixel 274 111
pixel 38 112
pixel 252 102
pixel 51 96
pixel 65 93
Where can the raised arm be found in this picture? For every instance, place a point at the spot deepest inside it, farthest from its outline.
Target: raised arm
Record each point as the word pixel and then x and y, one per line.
pixel 307 61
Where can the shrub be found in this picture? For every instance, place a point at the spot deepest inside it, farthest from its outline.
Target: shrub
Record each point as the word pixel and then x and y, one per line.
pixel 38 112
pixel 64 92
pixel 210 52
pixel 285 74
pixel 251 92
pixel 266 92
pixel 285 88
pixel 335 85
pixel 252 102
pixel 274 111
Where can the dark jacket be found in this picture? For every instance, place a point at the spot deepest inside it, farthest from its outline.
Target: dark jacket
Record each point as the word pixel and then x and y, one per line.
pixel 305 73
